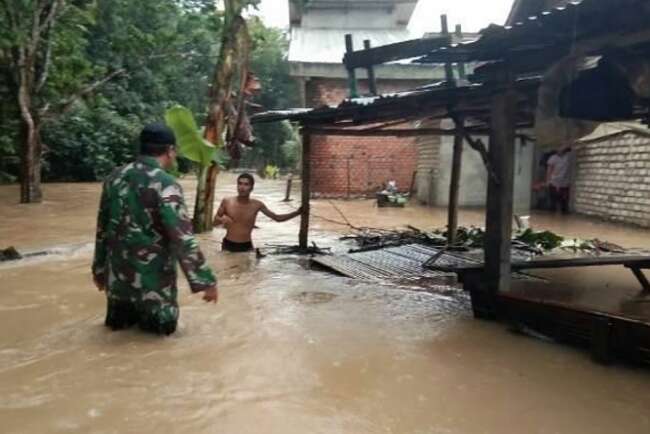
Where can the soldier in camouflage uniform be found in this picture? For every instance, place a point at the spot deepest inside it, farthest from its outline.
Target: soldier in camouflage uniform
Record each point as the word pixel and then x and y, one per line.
pixel 143 228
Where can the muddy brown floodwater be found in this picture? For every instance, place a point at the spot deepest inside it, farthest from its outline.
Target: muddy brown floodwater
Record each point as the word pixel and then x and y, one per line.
pixel 287 350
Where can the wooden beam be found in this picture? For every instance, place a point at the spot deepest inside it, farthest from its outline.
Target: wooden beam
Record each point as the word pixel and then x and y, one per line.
pixel 392 52
pixel 454 184
pixel 352 77
pixel 372 83
pixel 462 74
pixel 449 71
pixel 404 132
pixel 500 192
pixel 303 237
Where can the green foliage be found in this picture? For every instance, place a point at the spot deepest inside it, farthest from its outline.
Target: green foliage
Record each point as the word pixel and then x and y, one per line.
pixel 168 48
pixel 87 144
pixel 292 147
pixel 191 144
pixel 545 240
pixel 9 136
pixel 271 171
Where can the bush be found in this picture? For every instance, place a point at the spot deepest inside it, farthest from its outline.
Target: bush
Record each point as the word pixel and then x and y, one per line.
pixel 87 144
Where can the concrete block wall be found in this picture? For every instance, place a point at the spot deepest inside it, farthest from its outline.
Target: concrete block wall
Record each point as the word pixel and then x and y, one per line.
pixel 613 179
pixel 428 167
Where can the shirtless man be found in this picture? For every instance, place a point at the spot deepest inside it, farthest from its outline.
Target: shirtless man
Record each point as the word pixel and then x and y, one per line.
pixel 238 215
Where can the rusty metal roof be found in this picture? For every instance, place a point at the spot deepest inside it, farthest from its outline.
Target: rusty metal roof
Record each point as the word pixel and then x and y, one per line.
pixel 425 101
pixel 560 27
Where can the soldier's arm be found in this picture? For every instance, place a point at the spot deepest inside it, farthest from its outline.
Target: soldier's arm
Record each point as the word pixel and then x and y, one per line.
pixel 279 217
pixel 185 247
pixel 99 259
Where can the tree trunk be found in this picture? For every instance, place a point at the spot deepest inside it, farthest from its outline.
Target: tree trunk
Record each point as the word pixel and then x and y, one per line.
pixel 215 125
pixel 198 221
pixel 30 176
pixel 30 173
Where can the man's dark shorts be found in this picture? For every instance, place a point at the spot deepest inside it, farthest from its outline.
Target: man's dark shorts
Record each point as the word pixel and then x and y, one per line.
pixel 232 246
pixel 124 314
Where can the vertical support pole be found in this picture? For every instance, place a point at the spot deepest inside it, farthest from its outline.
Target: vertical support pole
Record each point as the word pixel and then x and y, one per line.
pixel 372 82
pixel 501 155
pixel 462 74
pixel 352 77
pixel 449 71
pixel 303 237
pixel 287 194
pixel 454 185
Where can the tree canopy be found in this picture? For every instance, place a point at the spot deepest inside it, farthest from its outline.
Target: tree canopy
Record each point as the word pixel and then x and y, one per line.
pixel 161 53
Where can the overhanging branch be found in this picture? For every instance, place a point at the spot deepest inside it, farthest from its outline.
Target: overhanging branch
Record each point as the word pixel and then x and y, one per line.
pixel 67 104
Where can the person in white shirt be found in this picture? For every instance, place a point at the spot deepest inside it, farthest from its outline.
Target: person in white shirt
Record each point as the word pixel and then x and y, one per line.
pixel 558 178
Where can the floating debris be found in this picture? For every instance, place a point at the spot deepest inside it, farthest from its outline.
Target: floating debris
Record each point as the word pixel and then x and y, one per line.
pixel 279 249
pixel 470 238
pixel 9 254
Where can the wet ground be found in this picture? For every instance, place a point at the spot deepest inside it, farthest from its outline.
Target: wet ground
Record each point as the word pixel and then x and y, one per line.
pixel 287 349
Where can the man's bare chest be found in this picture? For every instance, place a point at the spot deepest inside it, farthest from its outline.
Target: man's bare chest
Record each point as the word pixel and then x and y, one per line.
pixel 242 213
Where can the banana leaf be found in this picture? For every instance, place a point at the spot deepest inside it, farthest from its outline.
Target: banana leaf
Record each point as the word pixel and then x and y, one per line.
pixel 191 144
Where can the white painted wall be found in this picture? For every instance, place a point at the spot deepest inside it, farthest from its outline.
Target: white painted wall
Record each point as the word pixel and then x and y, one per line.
pixel 473 184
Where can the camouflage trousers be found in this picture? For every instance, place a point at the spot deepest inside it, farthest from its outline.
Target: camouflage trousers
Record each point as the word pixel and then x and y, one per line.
pixel 151 316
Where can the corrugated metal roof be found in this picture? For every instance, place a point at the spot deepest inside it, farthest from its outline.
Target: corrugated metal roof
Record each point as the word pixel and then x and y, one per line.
pixel 328 45
pixel 523 9
pixel 558 29
pixel 426 100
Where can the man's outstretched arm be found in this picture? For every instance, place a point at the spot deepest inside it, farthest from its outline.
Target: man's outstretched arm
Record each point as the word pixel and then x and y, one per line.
pixel 184 245
pixel 280 217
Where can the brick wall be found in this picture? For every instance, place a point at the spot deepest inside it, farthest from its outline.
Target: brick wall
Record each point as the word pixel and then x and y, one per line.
pixel 354 166
pixel 613 179
pixel 345 166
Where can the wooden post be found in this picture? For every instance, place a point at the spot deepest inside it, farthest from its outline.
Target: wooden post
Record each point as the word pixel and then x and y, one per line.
pixel 287 194
pixel 303 237
pixel 352 77
pixel 449 71
pixel 462 74
pixel 372 82
pixel 454 184
pixel 498 223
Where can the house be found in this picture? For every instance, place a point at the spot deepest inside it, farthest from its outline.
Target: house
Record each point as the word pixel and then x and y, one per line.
pixel 350 166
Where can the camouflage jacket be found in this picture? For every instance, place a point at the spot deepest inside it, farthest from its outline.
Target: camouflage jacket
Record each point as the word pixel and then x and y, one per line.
pixel 143 228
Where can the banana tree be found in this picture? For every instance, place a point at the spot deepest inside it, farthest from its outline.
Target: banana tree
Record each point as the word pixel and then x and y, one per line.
pixel 232 64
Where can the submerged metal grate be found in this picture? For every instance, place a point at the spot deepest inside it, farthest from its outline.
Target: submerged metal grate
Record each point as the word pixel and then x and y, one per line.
pixel 398 263
pixel 394 263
